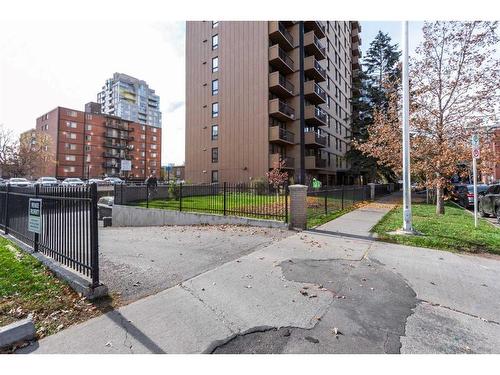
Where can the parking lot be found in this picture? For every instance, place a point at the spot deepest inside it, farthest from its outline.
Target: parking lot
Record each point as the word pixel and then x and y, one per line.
pixel 137 262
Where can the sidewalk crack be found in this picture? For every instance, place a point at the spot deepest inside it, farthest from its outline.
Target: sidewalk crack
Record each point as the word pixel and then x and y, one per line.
pixel 460 312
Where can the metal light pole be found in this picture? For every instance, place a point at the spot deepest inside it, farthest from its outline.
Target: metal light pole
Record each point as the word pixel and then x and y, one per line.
pixel 407 219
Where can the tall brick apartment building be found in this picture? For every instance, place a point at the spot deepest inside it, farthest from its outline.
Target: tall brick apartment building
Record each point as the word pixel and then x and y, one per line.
pixel 89 144
pixel 261 91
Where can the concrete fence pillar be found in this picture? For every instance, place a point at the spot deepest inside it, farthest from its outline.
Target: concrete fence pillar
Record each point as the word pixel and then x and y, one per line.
pixel 298 206
pixel 372 191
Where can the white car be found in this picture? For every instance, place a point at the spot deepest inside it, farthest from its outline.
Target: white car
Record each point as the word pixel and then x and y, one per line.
pixel 113 180
pixel 71 181
pixel 97 181
pixel 22 182
pixel 47 181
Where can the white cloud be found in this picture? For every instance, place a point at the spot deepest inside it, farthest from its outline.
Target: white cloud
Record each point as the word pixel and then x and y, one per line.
pixel 50 63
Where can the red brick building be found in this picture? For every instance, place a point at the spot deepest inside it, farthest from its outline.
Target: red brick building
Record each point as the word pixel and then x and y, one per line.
pixel 89 144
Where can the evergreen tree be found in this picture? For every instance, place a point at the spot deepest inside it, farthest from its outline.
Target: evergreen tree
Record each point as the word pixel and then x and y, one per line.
pixel 370 91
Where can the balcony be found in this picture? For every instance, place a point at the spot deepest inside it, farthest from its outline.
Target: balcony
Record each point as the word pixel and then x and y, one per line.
pixel 281 136
pixel 278 33
pixel 280 86
pixel 281 110
pixel 356 52
pixel 313 46
pixel 113 125
pixel 110 155
pixel 313 139
pixel 355 63
pixel 274 159
pixel 109 164
pixel 314 162
pixel 317 26
pixel 315 115
pixel 313 69
pixel 314 93
pixel 280 59
pixel 125 137
pixel 118 146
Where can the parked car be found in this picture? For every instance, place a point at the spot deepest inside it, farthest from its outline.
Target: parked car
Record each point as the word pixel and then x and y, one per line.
pixel 105 207
pixel 97 181
pixel 71 181
pixel 113 180
pixel 20 182
pixel 465 194
pixel 47 181
pixel 489 204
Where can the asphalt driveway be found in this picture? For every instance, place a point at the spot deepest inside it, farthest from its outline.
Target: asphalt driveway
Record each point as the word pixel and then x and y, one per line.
pixel 137 262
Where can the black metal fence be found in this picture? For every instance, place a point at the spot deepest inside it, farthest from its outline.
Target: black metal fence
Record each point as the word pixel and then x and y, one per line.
pixel 69 232
pixel 333 199
pixel 247 200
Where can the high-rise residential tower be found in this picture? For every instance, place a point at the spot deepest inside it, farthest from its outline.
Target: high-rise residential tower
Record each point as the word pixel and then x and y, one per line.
pixel 258 92
pixel 130 99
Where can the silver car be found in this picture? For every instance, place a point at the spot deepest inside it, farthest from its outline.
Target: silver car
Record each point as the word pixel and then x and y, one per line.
pixel 19 182
pixel 72 181
pixel 47 181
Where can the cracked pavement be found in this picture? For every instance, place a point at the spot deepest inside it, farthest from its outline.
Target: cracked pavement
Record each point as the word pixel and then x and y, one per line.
pixel 330 290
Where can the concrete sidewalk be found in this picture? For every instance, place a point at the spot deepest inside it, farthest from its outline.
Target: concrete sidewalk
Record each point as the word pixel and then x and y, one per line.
pixel 328 290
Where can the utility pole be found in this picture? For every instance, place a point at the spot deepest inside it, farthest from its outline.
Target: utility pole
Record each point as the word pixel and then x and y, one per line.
pixel 407 218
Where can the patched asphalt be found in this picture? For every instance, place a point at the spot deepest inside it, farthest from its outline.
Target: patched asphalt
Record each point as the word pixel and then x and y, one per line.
pixel 369 309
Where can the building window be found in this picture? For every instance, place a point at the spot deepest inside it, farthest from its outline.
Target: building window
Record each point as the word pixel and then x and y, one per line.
pixel 71 113
pixel 70 158
pixel 69 169
pixel 215 132
pixel 215 24
pixel 215 177
pixel 143 136
pixel 154 138
pixel 215 41
pixel 87 148
pixel 215 110
pixel 70 146
pixel 71 124
pixel 215 87
pixel 88 138
pixel 153 147
pixel 88 127
pixel 153 154
pixel 215 64
pixel 155 130
pixel 215 155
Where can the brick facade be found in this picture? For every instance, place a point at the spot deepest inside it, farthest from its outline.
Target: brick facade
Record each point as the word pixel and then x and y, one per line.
pixel 92 145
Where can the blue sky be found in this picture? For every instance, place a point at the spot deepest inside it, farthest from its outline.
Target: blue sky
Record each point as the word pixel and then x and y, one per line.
pixel 370 28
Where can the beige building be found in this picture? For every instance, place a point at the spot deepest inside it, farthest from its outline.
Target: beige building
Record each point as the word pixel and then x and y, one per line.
pixel 252 98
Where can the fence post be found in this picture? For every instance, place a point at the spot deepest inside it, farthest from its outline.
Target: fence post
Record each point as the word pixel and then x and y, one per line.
pixel 298 206
pixel 94 241
pixel 343 187
pixel 121 193
pixel 6 221
pixel 224 192
pixel 326 204
pixel 286 203
pixel 180 196
pixel 37 236
pixel 147 195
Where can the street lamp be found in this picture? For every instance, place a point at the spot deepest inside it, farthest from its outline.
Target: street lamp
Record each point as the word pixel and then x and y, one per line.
pixel 407 218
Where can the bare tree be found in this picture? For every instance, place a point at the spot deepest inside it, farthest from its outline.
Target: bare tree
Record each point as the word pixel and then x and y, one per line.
pixel 454 90
pixel 8 145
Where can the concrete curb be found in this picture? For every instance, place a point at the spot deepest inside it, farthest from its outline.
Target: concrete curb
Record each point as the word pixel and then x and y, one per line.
pixel 17 332
pixel 78 283
pixel 132 216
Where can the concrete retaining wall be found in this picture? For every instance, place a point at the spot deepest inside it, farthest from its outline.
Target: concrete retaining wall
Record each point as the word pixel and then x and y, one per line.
pixel 129 216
